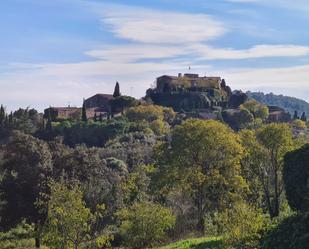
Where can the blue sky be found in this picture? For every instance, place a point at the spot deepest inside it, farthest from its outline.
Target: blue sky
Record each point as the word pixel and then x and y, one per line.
pixel 57 52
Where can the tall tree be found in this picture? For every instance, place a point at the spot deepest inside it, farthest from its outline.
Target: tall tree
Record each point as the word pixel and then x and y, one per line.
pixel 27 167
pixel 84 112
pixel 205 157
pixel 295 115
pixel 276 140
pixel 70 222
pixel 2 116
pixel 117 90
pixel 303 117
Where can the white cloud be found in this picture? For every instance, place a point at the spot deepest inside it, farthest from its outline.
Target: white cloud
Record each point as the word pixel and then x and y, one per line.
pixel 153 26
pixel 284 80
pixel 258 51
pixel 129 53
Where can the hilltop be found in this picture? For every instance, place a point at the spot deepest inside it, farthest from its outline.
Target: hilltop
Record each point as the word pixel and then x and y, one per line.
pixel 290 104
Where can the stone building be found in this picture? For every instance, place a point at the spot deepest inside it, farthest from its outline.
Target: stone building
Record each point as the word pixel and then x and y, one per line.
pixel 61 113
pixel 189 92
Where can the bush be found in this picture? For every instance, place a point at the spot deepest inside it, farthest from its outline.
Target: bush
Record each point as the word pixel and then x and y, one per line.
pixel 296 175
pixel 144 224
pixel 291 233
pixel 243 226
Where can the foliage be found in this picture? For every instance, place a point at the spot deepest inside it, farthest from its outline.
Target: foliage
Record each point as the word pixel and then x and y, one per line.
pixel 204 156
pixel 290 233
pixel 19 237
pixel 276 140
pixel 26 168
pixel 200 243
pixel 257 109
pixel 238 119
pixel 296 175
pixel 243 226
pixel 119 103
pixel 290 104
pixel 299 124
pixel 145 224
pixel 70 222
pixel 90 133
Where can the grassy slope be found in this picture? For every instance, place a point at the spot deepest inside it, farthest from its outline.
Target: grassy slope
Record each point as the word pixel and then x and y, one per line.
pixel 200 243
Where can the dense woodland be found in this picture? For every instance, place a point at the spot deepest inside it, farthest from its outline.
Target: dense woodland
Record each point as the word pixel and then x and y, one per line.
pixel 151 177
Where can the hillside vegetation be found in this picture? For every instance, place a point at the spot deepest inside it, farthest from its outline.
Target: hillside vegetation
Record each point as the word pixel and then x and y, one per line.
pixel 199 243
pixel 290 104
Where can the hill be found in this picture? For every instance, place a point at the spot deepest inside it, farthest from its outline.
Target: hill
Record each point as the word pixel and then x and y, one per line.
pixel 290 104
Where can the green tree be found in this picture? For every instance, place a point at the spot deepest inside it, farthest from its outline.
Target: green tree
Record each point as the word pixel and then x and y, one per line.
pixel 243 225
pixel 84 113
pixel 257 109
pixel 2 116
pixel 117 90
pixel 145 224
pixel 277 141
pixel 70 222
pixel 119 103
pixel 205 156
pixel 26 169
pixel 296 175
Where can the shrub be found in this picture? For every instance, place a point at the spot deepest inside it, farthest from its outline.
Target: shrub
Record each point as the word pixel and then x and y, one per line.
pixel 296 178
pixel 291 233
pixel 144 224
pixel 243 226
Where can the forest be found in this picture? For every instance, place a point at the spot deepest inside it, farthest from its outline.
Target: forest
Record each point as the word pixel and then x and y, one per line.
pixel 152 178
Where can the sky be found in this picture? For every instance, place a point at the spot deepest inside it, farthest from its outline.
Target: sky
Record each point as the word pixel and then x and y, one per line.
pixel 57 52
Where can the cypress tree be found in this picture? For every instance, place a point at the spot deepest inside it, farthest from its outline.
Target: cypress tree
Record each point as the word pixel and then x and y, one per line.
pixel 304 117
pixel 117 91
pixel 101 117
pixel 95 119
pixel 49 127
pixel 11 119
pixel 84 114
pixel 2 115
pixel 295 115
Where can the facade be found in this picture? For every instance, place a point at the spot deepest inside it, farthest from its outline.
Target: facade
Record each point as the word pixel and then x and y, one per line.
pixel 58 113
pixel 277 114
pixel 100 101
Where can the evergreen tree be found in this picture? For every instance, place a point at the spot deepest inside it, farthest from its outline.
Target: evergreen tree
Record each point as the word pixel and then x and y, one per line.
pixel 101 117
pixel 117 91
pixel 95 118
pixel 84 114
pixel 2 116
pixel 295 115
pixel 11 119
pixel 49 127
pixel 304 117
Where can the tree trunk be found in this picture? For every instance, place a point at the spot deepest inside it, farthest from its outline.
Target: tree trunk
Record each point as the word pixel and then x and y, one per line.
pixel 37 243
pixel 37 235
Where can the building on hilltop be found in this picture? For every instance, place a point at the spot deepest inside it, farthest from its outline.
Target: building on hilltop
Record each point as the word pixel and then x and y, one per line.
pixel 190 91
pixel 61 113
pixel 97 105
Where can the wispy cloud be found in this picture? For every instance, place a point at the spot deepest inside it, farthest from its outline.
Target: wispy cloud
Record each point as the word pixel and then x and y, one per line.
pixel 258 51
pixel 153 26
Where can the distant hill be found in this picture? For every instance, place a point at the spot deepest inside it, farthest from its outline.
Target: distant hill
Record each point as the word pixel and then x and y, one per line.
pixel 290 104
